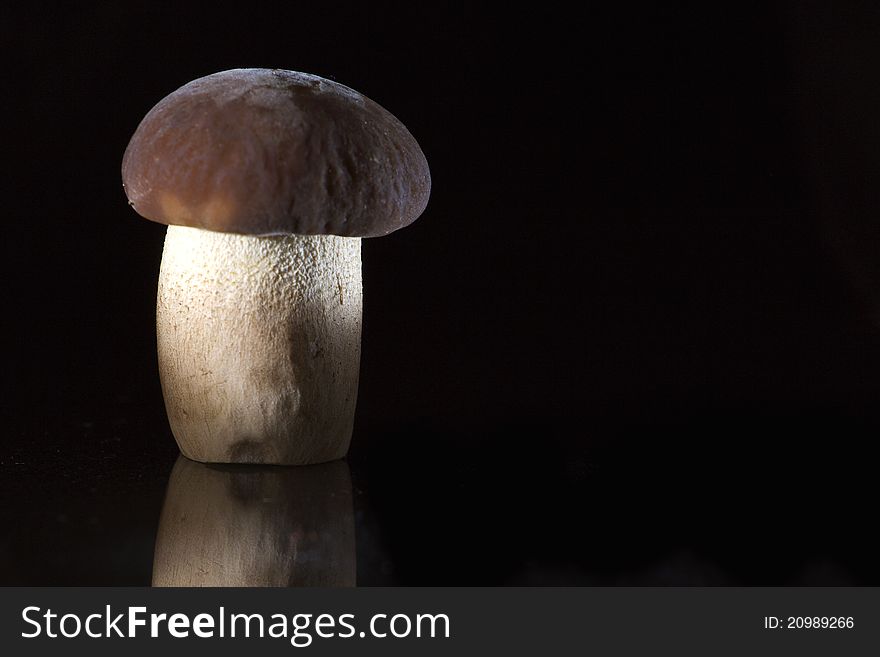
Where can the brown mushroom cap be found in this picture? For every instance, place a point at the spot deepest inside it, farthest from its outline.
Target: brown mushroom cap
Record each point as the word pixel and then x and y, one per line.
pixel 267 152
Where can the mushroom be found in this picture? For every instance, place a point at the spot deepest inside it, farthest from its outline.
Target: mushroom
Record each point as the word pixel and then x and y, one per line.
pixel 267 180
pixel 225 525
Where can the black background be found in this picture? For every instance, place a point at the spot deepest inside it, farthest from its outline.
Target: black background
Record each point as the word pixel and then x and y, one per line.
pixel 634 339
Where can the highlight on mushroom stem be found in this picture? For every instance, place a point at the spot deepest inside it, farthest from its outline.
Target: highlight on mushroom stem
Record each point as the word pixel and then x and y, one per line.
pixel 259 344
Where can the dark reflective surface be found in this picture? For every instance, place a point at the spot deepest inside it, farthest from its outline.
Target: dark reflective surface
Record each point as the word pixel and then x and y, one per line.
pixel 690 503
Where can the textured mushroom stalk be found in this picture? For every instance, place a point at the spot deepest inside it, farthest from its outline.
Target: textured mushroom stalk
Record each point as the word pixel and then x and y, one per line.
pixel 259 344
pixel 257 526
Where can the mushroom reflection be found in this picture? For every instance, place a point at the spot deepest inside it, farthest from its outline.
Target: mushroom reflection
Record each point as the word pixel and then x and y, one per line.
pixel 227 525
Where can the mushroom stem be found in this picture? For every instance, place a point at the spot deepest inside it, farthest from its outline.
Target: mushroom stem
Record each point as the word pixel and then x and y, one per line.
pixel 259 344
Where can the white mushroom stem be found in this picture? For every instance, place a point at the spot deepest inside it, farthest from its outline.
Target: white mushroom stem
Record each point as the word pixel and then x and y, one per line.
pixel 259 344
